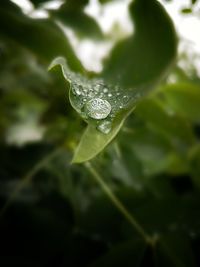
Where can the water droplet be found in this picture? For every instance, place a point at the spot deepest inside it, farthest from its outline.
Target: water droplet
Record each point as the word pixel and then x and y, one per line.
pixel 98 108
pixel 125 99
pixel 76 89
pixel 105 90
pixel 104 127
pixel 98 87
pixel 91 94
pixel 109 95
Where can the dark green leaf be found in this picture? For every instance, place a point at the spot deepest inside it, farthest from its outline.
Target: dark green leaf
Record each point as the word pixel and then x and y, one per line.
pixel 194 1
pixel 184 98
pixel 42 36
pixel 78 4
pixel 186 10
pixel 195 165
pixel 143 58
pixel 177 129
pixel 83 25
pixel 37 3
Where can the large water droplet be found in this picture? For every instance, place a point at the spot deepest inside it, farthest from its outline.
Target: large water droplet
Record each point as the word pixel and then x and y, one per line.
pixel 104 127
pixel 98 108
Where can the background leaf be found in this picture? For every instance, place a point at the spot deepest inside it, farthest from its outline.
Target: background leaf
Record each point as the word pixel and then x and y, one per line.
pixel 184 99
pixel 142 59
pixel 41 36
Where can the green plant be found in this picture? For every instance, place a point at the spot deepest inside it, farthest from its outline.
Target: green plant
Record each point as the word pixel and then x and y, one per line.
pixel 126 191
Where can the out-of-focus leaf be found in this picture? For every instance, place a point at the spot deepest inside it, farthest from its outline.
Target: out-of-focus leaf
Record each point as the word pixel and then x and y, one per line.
pixel 195 165
pixel 177 129
pixel 155 213
pixel 175 251
pixel 186 10
pixel 126 167
pixel 143 58
pixel 41 36
pixel 78 4
pixel 125 254
pixel 83 25
pixel 151 149
pixel 194 1
pixel 37 3
pixel 184 98
pixel 105 1
pixel 23 110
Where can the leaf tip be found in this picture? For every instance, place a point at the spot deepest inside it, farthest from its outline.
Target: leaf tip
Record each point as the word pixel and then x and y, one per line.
pixel 57 61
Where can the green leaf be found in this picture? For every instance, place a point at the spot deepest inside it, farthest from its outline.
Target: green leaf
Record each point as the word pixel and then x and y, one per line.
pixel 152 149
pixel 154 113
pixel 143 58
pixel 186 10
pixel 37 3
pixel 41 36
pixel 125 254
pixel 184 98
pixel 78 4
pixel 195 165
pixel 132 63
pixel 100 131
pixel 93 141
pixel 194 1
pixel 83 25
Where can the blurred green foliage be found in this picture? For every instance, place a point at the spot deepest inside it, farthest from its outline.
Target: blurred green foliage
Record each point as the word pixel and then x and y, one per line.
pixel 53 213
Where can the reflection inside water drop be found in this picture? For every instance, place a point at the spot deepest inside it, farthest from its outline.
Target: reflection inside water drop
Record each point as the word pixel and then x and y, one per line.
pixel 98 108
pixel 104 127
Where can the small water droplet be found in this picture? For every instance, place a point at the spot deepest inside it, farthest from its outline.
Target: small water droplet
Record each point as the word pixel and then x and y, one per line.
pixel 98 108
pixel 98 87
pixel 105 90
pixel 104 127
pixel 109 95
pixel 125 99
pixel 77 89
pixel 91 94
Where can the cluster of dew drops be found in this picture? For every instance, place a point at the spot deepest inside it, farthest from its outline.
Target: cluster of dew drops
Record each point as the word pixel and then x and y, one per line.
pixel 99 102
pixel 95 100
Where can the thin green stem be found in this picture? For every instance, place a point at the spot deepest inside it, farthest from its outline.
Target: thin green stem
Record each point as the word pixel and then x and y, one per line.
pixel 118 204
pixel 27 178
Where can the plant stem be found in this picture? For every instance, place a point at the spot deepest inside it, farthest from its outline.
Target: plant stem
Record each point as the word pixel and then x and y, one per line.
pixel 118 204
